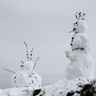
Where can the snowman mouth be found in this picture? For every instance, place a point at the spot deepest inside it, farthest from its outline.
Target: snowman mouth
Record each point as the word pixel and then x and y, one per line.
pixel 77 49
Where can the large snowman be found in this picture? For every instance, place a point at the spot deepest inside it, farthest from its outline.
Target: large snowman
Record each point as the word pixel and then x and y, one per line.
pixel 82 64
pixel 27 77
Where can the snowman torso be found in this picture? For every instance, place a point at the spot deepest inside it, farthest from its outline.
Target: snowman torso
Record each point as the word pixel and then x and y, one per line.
pixel 77 41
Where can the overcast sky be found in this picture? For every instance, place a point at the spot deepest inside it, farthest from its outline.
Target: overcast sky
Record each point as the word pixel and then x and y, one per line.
pixel 43 25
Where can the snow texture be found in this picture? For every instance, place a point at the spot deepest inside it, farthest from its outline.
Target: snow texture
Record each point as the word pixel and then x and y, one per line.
pixel 82 64
pixel 80 70
pixel 16 92
pixel 61 88
pixel 26 77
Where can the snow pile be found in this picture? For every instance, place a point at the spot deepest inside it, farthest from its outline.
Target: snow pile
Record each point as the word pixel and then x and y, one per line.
pixel 23 79
pixel 16 92
pixel 27 77
pixel 63 87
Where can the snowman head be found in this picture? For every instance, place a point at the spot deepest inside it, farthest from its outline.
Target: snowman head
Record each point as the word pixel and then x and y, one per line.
pixel 28 65
pixel 80 26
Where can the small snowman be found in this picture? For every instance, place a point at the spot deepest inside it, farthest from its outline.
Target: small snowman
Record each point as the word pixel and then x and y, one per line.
pixel 27 77
pixel 82 64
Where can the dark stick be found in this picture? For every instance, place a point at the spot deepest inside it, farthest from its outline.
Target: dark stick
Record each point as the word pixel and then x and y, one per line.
pixel 8 70
pixel 31 54
pixel 26 51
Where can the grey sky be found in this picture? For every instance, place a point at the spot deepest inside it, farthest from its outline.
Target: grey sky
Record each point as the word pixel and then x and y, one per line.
pixel 43 25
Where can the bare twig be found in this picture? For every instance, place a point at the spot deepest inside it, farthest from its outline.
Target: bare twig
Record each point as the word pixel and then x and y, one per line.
pixel 26 51
pixel 8 70
pixel 31 54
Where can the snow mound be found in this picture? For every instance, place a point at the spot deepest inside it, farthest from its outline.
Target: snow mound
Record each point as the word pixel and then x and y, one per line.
pixel 16 92
pixel 61 88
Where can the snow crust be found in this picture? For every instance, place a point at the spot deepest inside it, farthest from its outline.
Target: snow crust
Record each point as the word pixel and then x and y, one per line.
pixel 16 92
pixel 60 88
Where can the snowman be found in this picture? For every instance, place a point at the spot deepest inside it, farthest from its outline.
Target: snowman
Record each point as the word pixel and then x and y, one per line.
pixel 81 63
pixel 27 77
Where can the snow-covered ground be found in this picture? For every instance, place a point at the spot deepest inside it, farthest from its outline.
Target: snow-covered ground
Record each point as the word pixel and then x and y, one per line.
pixel 61 88
pixel 16 92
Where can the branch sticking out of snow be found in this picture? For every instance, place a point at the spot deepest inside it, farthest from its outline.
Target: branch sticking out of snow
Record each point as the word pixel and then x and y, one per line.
pixel 26 51
pixel 8 70
pixel 31 54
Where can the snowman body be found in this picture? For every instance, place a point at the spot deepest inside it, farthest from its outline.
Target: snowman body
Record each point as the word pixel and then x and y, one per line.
pixel 26 78
pixel 81 64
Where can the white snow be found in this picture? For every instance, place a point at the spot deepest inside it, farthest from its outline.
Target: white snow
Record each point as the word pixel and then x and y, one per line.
pixel 80 70
pixel 81 64
pixel 26 77
pixel 16 92
pixel 62 87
